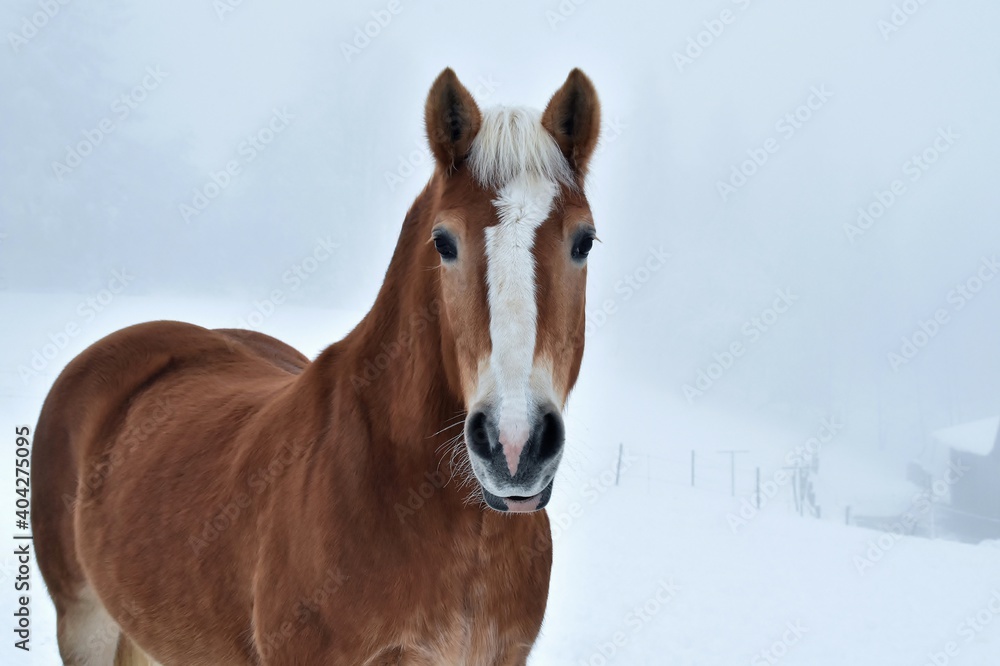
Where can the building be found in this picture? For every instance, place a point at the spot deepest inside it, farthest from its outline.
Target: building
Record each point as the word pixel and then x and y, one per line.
pixel 972 507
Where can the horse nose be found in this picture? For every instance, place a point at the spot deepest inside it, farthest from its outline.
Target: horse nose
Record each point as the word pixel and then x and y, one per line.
pixel 513 441
pixel 538 441
pixel 477 434
pixel 550 435
pixel 487 440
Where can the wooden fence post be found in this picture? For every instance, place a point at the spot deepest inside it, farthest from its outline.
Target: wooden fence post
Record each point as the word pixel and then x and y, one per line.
pixel 618 469
pixel 758 488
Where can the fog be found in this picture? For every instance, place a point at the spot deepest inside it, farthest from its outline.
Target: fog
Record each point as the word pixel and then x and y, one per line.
pixel 796 202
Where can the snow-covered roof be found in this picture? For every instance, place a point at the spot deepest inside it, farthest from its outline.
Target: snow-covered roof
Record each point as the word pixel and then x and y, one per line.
pixel 977 437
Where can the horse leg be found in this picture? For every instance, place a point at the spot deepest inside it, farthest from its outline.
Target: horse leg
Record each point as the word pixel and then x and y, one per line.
pixel 88 636
pixel 87 633
pixel 130 655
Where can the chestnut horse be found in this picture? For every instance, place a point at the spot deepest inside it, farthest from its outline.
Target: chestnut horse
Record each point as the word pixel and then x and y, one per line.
pixel 211 497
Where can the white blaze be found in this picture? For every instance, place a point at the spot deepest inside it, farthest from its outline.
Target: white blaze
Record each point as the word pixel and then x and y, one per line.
pixel 516 156
pixel 523 205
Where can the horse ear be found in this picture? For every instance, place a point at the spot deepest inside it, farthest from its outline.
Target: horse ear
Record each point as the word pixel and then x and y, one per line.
pixel 573 117
pixel 452 119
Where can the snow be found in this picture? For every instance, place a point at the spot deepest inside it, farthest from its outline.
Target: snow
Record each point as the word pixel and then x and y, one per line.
pixel 647 571
pixel 977 437
pixel 737 593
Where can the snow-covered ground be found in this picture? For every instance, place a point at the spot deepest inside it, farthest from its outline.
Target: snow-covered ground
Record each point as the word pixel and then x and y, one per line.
pixel 648 571
pixel 815 181
pixel 659 578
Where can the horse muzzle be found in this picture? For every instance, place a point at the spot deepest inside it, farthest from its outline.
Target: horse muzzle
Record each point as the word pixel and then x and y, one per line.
pixel 515 465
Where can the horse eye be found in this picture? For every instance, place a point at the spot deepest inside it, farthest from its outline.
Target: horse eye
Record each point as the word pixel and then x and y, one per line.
pixel 445 245
pixel 583 245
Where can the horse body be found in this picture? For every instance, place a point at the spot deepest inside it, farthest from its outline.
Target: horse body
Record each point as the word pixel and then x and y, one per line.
pixel 212 497
pixel 261 472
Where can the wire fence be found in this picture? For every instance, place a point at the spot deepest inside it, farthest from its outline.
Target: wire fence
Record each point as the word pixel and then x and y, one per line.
pixel 726 472
pixel 731 472
pixel 717 477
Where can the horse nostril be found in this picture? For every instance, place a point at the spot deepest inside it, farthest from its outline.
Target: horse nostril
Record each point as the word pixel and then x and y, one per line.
pixel 551 435
pixel 477 435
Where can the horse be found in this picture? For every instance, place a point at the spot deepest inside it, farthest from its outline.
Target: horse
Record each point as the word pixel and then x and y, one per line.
pixel 213 497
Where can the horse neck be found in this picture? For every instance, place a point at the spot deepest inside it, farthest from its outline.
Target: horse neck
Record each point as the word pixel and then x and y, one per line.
pixel 392 364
